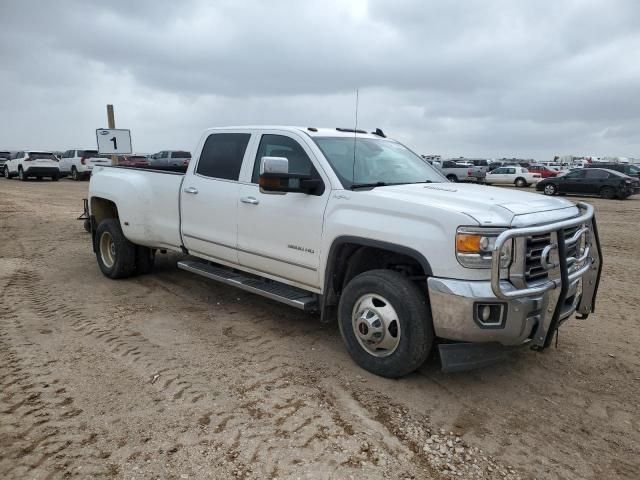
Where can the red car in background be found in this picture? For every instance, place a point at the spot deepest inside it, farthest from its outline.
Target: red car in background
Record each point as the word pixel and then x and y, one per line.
pixel 133 161
pixel 543 170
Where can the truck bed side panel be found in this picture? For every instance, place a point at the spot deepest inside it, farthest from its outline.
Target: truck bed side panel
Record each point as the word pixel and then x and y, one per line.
pixel 148 203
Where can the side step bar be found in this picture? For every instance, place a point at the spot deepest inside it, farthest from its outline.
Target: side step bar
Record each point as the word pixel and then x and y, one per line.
pixel 280 292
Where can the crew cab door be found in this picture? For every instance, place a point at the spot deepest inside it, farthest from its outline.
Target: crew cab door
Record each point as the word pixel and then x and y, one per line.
pixel 280 234
pixel 209 198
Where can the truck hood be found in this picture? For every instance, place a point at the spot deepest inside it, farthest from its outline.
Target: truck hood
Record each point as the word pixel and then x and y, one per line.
pixel 489 206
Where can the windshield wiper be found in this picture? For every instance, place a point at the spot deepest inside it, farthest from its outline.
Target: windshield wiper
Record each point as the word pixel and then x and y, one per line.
pixel 370 185
pixel 384 184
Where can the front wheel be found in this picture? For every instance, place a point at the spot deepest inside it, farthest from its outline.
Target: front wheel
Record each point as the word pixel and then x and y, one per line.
pixel 115 254
pixel 550 189
pixel 452 178
pixel 21 175
pixel 385 323
pixel 7 175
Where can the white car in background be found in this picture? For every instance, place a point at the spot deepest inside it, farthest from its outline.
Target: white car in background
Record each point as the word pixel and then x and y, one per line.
pixel 512 175
pixel 32 163
pixel 79 163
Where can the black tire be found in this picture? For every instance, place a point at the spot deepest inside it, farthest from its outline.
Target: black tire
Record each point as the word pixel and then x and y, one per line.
pixel 87 225
pixel 21 174
pixel 414 318
pixel 55 178
pixel 7 175
pixel 550 189
pixel 75 175
pixel 452 178
pixel 607 192
pixel 119 262
pixel 145 258
pixel 521 182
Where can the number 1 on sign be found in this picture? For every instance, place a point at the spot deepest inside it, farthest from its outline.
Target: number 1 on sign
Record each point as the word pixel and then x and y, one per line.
pixel 115 143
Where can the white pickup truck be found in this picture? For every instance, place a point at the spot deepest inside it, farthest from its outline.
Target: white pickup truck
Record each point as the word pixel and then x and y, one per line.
pixel 356 226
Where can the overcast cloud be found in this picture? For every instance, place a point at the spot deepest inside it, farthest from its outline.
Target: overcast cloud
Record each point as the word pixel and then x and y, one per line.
pixel 485 78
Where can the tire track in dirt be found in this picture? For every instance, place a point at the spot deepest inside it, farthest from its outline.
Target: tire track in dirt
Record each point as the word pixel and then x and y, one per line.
pixel 39 421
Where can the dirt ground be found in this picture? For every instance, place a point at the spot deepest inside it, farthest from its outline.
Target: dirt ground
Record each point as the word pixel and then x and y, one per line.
pixel 171 375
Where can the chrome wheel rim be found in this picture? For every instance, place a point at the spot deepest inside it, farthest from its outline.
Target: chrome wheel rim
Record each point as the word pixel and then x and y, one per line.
pixel 376 325
pixel 107 249
pixel 21 174
pixel 549 190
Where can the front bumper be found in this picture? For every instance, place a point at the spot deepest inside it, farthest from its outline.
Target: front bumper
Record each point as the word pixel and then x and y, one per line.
pixel 529 314
pixel 455 304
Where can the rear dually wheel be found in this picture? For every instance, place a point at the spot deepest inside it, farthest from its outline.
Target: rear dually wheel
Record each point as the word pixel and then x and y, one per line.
pixel 115 254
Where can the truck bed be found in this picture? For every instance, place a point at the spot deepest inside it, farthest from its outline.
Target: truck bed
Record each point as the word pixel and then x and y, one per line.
pixel 148 202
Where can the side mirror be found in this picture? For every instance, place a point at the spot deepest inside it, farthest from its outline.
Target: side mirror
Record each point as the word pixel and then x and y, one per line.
pixel 276 166
pixel 275 178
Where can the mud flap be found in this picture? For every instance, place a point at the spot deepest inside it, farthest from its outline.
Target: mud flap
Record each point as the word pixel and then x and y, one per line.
pixel 460 357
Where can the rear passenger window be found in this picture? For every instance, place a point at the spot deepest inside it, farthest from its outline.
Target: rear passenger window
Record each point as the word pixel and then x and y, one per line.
pixel 282 146
pixel 596 174
pixel 222 155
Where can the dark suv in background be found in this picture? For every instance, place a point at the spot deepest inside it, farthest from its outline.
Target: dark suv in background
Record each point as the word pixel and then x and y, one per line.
pixel 626 168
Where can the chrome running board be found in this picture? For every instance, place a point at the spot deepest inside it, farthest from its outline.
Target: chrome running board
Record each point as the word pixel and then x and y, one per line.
pixel 280 292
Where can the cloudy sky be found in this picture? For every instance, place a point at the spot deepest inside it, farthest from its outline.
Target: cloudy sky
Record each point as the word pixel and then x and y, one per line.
pixel 488 78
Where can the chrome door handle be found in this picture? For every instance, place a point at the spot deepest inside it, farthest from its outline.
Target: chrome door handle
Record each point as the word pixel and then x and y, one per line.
pixel 193 190
pixel 250 200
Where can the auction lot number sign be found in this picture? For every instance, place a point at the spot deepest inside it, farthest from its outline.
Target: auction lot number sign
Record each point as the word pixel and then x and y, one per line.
pixel 113 141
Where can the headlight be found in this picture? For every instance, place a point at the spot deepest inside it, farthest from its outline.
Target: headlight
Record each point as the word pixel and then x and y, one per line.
pixel 474 247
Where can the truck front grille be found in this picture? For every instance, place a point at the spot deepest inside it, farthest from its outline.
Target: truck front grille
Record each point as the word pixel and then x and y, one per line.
pixel 533 270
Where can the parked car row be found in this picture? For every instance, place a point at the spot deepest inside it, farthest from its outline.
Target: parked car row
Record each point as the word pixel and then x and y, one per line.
pixel 620 181
pixel 78 163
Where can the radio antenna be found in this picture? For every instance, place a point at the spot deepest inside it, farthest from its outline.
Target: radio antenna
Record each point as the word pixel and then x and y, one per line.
pixel 355 136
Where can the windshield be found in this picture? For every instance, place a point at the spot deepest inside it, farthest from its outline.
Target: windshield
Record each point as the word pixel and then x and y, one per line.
pixel 376 161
